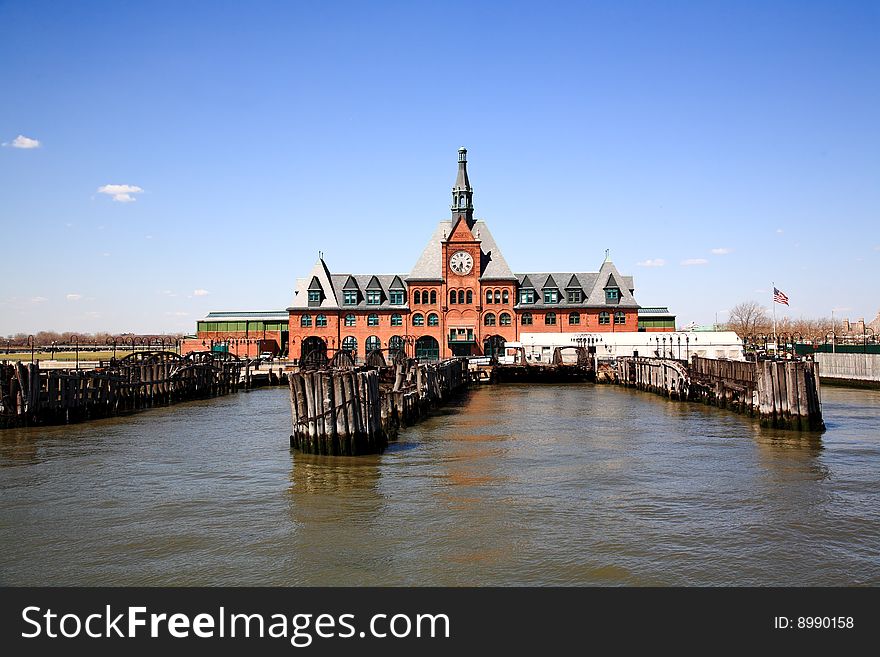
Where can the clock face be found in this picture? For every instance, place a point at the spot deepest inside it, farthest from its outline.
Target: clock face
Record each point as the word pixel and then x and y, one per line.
pixel 461 262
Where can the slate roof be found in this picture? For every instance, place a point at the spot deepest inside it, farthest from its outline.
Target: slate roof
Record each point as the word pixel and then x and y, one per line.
pixel 429 266
pixel 383 282
pixel 592 283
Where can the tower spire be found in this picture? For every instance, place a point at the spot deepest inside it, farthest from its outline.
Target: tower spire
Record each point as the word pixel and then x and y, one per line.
pixel 463 193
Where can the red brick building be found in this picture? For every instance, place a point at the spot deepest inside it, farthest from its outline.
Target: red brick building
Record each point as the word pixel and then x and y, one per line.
pixel 461 298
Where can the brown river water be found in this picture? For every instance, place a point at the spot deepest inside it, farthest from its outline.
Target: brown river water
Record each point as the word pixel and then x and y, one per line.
pixel 513 484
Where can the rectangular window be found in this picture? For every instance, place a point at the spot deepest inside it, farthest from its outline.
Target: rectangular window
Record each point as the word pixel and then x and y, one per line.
pixel 527 296
pixel 396 297
pixel 612 295
pixel 575 296
pixel 551 296
pixel 314 296
pixel 374 297
pixel 350 297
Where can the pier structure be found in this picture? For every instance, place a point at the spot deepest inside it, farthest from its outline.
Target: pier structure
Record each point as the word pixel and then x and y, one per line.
pixel 782 394
pixel 30 395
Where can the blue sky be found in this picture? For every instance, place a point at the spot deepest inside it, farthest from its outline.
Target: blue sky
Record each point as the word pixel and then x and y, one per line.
pixel 233 141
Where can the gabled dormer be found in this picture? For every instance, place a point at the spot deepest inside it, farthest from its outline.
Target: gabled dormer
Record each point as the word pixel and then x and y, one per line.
pixel 526 291
pixel 612 290
pixel 316 293
pixel 574 291
pixel 375 293
pixel 550 290
pixel 397 292
pixel 351 292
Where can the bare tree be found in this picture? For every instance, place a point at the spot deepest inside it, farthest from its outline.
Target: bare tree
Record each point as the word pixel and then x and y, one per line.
pixel 747 318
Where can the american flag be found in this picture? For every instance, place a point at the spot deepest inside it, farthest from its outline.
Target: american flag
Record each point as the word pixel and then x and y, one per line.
pixel 779 296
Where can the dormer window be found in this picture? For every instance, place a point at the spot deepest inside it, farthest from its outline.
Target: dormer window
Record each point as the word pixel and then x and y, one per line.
pixel 350 297
pixel 374 297
pixel 314 297
pixel 612 295
pixel 527 296
pixel 396 297
pixel 551 295
pixel 575 296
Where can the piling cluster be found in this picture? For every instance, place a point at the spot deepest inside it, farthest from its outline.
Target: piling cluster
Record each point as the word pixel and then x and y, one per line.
pixel 351 411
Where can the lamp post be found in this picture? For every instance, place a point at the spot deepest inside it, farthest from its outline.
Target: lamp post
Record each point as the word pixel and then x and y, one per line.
pixel 75 340
pixel 112 341
pixel 30 342
pixel 865 330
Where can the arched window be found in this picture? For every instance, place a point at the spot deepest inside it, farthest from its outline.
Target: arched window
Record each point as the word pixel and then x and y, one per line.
pixel 497 296
pixel 504 319
pixel 349 343
pixel 417 297
pixel 574 318
pixel 550 319
pixel 396 319
pixel 461 296
pixel 489 319
pixel 434 296
pixel 305 320
pixel 350 320
pixel 620 317
pixel 395 345
pixel 452 296
pixel 372 319
pixel 433 320
pixel 373 343
pixel 505 296
pixel 604 318
pixel 526 319
pixel 418 319
pixel 321 320
pixel 470 296
pixel 427 348
pixel 488 296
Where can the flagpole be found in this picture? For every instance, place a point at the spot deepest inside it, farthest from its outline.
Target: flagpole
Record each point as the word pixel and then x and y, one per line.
pixel 773 303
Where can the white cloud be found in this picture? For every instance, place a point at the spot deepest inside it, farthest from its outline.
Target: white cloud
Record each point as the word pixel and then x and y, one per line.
pixel 652 262
pixel 121 193
pixel 721 251
pixel 779 231
pixel 23 142
pixel 877 248
pixel 694 261
pixel 200 293
pixel 177 314
pixel 74 297
pixel 38 299
pixel 105 254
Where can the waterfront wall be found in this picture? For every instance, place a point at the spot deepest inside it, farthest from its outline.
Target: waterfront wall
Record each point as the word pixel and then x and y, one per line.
pixel 783 394
pixel 351 411
pixel 850 368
